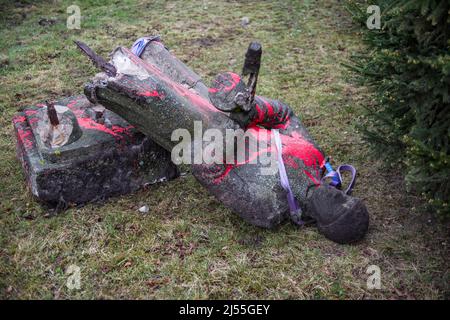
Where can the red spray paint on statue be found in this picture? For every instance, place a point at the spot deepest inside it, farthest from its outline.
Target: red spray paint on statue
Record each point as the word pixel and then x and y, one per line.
pixel 88 123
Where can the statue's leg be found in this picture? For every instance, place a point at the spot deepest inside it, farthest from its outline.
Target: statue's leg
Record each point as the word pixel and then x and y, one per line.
pixel 156 54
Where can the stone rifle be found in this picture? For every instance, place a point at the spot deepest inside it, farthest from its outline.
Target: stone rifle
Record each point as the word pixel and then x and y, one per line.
pixel 158 94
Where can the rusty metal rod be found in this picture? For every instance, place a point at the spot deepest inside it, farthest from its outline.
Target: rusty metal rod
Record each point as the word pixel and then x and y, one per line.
pixel 52 114
pixel 97 60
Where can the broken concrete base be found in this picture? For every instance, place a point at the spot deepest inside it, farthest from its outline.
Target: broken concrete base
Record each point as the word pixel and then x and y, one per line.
pixel 104 156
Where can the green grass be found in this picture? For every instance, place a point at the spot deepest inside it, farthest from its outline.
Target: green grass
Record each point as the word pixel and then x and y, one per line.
pixel 189 245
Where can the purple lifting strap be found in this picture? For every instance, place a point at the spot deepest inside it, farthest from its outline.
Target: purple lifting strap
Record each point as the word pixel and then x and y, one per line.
pixel 294 208
pixel 139 45
pixel 336 176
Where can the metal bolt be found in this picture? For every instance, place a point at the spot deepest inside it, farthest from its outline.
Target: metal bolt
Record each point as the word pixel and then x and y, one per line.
pixel 52 114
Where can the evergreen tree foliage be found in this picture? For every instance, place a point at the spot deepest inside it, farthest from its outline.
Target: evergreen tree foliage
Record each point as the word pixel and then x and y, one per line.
pixel 408 66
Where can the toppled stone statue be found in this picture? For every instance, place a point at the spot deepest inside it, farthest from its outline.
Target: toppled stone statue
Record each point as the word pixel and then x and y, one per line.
pixel 158 94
